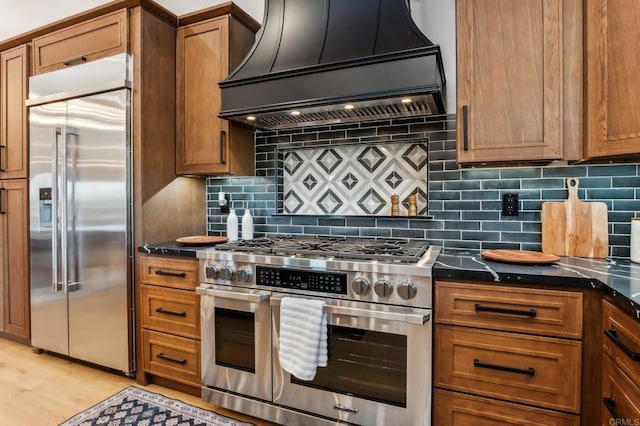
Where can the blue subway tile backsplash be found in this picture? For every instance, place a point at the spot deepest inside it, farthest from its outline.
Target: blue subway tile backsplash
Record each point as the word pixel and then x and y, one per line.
pixel 464 204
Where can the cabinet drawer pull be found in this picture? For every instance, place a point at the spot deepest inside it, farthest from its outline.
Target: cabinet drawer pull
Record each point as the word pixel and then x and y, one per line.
pixel 465 127
pixel 2 169
pixel 74 60
pixel 528 372
pixel 2 210
pixel 223 142
pixel 530 313
pixel 171 359
pixel 171 274
pixel 164 311
pixel 611 407
pixel 613 335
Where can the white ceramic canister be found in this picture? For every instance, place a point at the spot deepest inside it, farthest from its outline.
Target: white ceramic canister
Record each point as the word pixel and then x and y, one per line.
pixel 247 225
pixel 635 239
pixel 232 226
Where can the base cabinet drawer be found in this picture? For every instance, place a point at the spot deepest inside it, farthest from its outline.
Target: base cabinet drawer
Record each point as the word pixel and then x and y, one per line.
pixel 454 409
pixel 621 396
pixel 171 311
pixel 172 357
pixel 169 272
pixel 621 339
pixel 534 370
pixel 523 310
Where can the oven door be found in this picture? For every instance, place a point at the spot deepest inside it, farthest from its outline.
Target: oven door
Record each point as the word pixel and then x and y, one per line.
pixel 236 340
pixel 379 369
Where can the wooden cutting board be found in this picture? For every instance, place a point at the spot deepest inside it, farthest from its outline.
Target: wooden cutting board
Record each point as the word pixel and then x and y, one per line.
pixel 520 256
pixel 201 240
pixel 574 227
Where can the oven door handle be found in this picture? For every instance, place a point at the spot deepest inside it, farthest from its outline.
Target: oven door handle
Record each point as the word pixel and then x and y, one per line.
pixel 411 318
pixel 414 316
pixel 257 297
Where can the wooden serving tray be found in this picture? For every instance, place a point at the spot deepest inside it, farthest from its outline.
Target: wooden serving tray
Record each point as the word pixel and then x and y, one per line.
pixel 520 256
pixel 201 240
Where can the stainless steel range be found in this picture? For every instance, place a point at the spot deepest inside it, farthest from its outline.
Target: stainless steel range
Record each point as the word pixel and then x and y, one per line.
pixel 378 296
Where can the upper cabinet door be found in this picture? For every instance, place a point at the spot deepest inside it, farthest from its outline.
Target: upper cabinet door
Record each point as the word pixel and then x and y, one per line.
pixel 613 86
pixel 206 144
pixel 14 76
pixel 509 80
pixel 203 61
pixel 94 39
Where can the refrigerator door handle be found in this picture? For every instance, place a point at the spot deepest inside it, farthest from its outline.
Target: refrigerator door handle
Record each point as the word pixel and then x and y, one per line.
pixel 63 211
pixel 55 279
pixel 71 244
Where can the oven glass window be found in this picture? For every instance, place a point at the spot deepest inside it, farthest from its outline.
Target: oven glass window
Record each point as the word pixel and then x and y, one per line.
pixel 235 339
pixel 365 364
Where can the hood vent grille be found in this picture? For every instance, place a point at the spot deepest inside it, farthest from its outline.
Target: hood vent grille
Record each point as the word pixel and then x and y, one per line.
pixel 391 108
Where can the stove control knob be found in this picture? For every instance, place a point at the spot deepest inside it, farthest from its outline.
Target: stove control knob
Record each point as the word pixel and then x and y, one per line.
pixel 407 290
pixel 227 272
pixel 244 274
pixel 383 288
pixel 361 286
pixel 211 272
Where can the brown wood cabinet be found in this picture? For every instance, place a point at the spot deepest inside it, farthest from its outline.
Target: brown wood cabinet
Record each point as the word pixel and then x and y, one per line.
pixel 506 346
pixel 621 366
pixel 518 80
pixel 541 312
pixel 94 39
pixel 169 320
pixel 458 409
pixel 510 366
pixel 613 107
pixel 620 395
pixel 14 195
pixel 14 259
pixel 206 53
pixel 14 89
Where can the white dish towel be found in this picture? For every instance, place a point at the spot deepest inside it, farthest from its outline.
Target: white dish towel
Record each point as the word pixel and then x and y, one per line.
pixel 303 336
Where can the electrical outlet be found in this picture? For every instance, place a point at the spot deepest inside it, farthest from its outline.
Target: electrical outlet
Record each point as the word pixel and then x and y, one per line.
pixel 510 205
pixel 225 209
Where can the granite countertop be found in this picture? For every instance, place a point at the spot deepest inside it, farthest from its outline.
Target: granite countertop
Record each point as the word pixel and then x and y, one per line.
pixel 618 278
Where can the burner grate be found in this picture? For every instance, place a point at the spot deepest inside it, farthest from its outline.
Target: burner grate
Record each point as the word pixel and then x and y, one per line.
pixel 399 251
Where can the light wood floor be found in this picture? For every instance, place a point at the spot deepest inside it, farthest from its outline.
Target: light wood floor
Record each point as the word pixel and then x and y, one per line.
pixel 42 390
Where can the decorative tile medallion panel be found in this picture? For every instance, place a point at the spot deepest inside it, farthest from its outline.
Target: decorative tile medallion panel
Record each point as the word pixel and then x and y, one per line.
pixel 355 180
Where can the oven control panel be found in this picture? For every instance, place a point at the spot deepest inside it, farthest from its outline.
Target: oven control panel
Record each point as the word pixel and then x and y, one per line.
pixel 327 282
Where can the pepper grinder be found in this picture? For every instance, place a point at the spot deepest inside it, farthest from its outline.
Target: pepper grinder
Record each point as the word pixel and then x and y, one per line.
pixel 395 210
pixel 412 205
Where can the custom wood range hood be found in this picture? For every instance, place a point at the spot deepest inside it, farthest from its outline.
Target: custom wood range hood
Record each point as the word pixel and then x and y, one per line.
pixel 327 61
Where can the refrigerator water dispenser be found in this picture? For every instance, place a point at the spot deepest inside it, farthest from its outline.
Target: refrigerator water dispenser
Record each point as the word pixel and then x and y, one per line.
pixel 44 208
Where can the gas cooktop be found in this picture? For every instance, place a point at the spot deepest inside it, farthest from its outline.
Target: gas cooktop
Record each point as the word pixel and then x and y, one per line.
pixel 388 250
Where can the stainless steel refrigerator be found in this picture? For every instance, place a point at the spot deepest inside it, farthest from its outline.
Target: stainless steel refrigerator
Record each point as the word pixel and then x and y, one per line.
pixel 80 212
